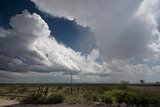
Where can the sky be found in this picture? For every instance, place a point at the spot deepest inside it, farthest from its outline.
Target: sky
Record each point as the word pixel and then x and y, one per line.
pixel 103 41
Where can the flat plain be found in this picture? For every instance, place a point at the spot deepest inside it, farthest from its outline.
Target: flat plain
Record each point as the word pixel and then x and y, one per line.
pixel 76 95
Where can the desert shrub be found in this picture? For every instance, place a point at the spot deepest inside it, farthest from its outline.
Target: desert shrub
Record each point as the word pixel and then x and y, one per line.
pixel 55 98
pixel 142 99
pixel 119 95
pixel 33 98
pixel 129 97
pixel 87 96
pixel 22 90
pixel 10 89
pixel 67 90
pixel 156 101
pixel 91 96
pixel 95 97
pixel 116 95
pixel 42 99
pixel 107 98
pixel 93 89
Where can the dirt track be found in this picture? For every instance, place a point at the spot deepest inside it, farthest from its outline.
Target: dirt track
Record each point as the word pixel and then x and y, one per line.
pixel 6 102
pixel 53 105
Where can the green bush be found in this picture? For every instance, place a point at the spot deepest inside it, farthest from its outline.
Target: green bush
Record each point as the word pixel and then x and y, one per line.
pixel 129 97
pixel 91 97
pixel 119 95
pixel 55 98
pixel 107 98
pixel 95 97
pixel 33 99
pixel 41 99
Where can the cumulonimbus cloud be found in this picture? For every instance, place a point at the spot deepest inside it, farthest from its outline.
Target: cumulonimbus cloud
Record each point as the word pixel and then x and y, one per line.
pixel 28 46
pixel 125 31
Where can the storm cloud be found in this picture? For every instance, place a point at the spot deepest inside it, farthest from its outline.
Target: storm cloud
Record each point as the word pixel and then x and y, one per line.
pixel 125 31
pixel 127 38
pixel 28 46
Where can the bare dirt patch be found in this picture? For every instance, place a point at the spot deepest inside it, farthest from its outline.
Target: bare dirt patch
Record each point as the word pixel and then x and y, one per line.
pixel 7 102
pixel 53 105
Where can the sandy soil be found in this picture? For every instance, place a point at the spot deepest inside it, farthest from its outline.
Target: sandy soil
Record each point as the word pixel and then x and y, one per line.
pixel 6 102
pixel 53 105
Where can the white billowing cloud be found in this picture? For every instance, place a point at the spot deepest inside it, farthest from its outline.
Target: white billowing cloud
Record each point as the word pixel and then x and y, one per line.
pixel 149 11
pixel 93 55
pixel 108 19
pixel 123 29
pixel 28 46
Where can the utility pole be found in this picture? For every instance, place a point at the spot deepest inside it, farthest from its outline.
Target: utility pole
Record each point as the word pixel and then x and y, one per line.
pixel 71 84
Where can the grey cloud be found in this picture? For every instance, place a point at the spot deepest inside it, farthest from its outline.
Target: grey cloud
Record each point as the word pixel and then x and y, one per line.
pixel 132 42
pixel 120 32
pixel 106 18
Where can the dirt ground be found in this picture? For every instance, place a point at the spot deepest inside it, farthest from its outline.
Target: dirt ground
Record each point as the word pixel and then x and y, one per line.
pixel 53 105
pixel 7 102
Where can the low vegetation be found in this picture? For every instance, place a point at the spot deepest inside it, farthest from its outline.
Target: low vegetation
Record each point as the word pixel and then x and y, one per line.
pixel 130 97
pixel 103 94
pixel 40 98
